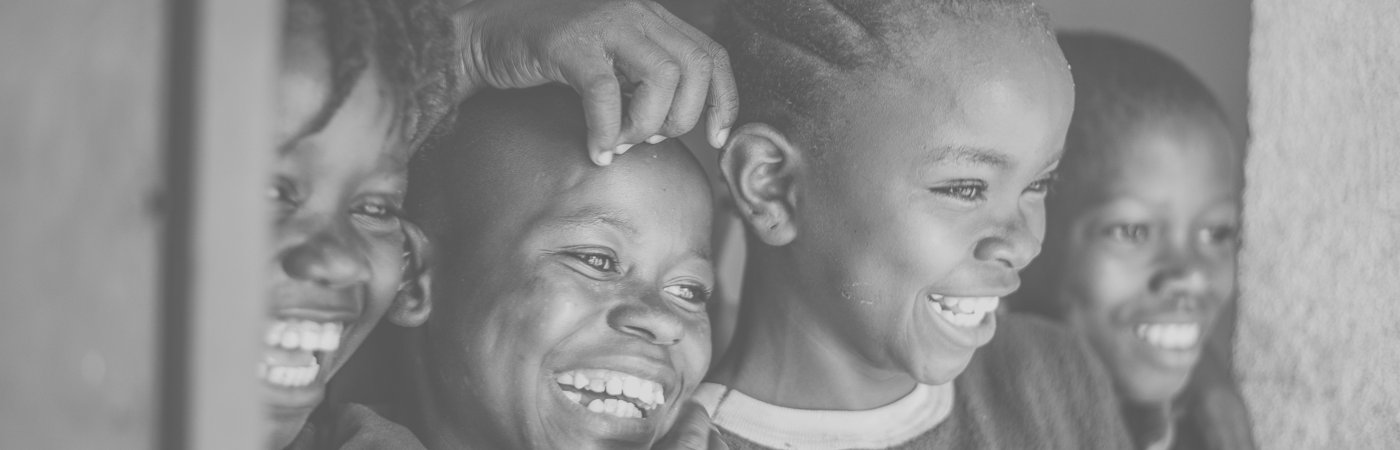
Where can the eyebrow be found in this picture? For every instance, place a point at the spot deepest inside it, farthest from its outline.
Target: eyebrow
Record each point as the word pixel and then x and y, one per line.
pixel 593 216
pixel 970 156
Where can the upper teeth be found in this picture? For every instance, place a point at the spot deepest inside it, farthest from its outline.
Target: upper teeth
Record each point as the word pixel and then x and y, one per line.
pixel 630 394
pixel 1170 336
pixel 302 338
pixel 964 311
pixel 304 335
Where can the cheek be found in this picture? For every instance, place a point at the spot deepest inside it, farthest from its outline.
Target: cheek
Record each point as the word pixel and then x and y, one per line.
pixel 1105 285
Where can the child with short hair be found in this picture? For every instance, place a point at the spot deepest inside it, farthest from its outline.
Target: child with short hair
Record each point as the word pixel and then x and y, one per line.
pixel 361 84
pixel 1142 237
pixel 568 300
pixel 891 163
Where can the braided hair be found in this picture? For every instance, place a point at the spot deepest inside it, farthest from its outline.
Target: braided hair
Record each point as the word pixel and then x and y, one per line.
pixel 787 53
pixel 410 42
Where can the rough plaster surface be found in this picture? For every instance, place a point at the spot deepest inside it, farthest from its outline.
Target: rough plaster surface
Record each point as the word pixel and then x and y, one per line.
pixel 1318 349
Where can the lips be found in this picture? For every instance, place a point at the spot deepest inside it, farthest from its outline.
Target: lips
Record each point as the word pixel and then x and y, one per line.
pixel 963 312
pixel 612 393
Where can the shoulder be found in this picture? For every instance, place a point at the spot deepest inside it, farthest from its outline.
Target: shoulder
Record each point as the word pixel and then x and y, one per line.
pixel 352 426
pixel 1038 375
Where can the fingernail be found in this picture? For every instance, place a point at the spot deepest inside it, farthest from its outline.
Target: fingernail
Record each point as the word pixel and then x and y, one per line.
pixel 656 139
pixel 721 137
pixel 622 148
pixel 605 159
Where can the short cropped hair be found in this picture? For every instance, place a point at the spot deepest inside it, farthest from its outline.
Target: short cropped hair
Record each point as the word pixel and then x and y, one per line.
pixel 411 43
pixel 786 53
pixel 1117 83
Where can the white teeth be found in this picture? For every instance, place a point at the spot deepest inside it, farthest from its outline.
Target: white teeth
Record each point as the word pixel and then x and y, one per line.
pixel 288 376
pixel 304 335
pixel 580 381
pixel 1169 336
pixel 965 312
pixel 630 394
pixel 615 386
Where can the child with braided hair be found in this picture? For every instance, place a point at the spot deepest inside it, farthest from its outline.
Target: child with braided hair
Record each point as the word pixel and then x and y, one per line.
pixel 891 163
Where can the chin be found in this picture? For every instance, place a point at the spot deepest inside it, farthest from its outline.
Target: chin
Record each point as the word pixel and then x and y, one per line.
pixel 1153 387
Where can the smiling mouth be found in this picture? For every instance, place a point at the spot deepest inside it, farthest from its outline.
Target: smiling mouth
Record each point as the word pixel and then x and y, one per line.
pixel 1169 336
pixel 612 393
pixel 964 312
pixel 297 348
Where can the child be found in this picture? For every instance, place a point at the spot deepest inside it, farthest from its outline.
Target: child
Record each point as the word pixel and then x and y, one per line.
pixel 891 163
pixel 361 83
pixel 1142 235
pixel 568 300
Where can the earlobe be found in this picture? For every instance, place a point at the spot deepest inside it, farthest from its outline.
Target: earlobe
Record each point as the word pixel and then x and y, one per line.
pixel 761 166
pixel 413 301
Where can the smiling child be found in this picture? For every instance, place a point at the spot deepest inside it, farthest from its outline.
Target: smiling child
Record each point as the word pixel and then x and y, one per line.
pixel 345 128
pixel 568 299
pixel 891 163
pixel 1143 234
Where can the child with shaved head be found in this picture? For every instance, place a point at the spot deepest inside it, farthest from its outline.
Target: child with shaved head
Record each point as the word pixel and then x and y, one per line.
pixel 891 163
pixel 1142 237
pixel 568 300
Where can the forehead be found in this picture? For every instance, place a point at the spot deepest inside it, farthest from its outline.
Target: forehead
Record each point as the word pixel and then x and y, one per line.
pixel 1171 155
pixel 999 90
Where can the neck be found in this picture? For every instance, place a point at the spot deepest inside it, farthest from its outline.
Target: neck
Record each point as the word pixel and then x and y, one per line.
pixel 785 351
pixel 434 423
pixel 1150 424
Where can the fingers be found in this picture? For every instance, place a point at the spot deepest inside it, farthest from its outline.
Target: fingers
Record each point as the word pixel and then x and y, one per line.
pixel 695 53
pixel 597 85
pixel 657 74
pixel 722 106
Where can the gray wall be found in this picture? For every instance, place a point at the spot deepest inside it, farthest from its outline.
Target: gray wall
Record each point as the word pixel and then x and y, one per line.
pixel 1318 347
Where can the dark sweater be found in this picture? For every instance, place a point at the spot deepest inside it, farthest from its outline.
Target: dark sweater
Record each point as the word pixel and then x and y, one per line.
pixel 353 426
pixel 1034 386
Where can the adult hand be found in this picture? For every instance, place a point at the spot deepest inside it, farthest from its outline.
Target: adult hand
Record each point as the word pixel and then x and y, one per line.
pixel 618 54
pixel 692 431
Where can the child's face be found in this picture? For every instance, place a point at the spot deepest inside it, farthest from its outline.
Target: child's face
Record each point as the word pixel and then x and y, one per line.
pixel 337 240
pixel 575 316
pixel 931 198
pixel 1150 257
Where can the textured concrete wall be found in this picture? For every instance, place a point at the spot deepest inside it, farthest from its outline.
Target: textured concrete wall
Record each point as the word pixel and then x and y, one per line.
pixel 1318 348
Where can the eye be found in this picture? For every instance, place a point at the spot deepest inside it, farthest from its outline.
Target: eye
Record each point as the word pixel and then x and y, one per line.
pixel 1131 233
pixel 1220 235
pixel 597 261
pixel 689 293
pixel 1043 185
pixel 963 190
pixel 377 214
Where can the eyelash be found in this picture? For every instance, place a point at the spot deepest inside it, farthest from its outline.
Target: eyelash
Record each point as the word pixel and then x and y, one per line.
pixel 697 294
pixel 1128 232
pixel 1044 185
pixel 1224 234
pixel 963 190
pixel 598 261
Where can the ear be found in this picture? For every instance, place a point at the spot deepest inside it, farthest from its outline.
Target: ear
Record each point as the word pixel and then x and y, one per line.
pixel 413 302
pixel 761 166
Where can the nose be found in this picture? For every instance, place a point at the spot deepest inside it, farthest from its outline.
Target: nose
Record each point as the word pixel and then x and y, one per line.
pixel 1012 244
pixel 326 255
pixel 1181 276
pixel 649 319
